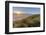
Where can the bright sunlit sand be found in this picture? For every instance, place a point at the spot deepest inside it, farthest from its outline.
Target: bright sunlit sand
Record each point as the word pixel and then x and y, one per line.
pixel 18 13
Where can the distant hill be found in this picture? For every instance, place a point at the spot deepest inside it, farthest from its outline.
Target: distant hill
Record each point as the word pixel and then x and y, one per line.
pixel 30 21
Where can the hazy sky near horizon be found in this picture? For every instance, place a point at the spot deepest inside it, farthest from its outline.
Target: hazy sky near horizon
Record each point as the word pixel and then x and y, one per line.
pixel 27 10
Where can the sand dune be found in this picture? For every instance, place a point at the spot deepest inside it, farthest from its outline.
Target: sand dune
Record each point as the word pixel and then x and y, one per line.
pixel 20 16
pixel 31 21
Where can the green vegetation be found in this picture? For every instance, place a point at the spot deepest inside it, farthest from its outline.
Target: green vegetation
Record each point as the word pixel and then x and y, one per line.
pixel 31 21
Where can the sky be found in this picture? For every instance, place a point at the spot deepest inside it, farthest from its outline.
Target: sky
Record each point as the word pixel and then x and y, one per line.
pixel 27 10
